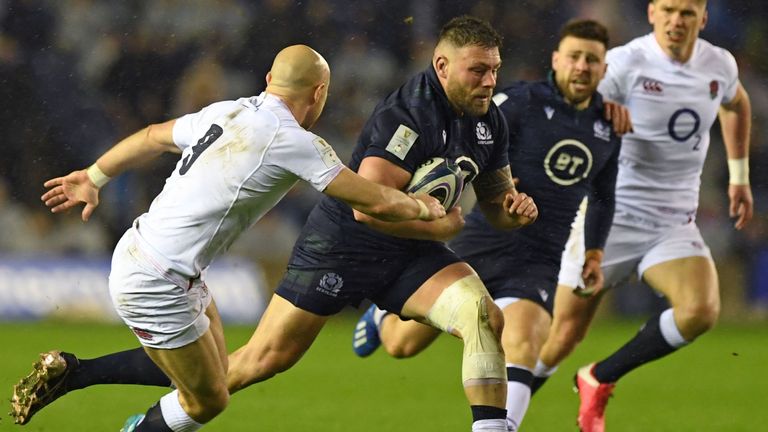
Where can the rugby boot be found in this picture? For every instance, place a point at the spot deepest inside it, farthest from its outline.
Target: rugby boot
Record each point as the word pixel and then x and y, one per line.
pixel 366 339
pixel 594 397
pixel 45 384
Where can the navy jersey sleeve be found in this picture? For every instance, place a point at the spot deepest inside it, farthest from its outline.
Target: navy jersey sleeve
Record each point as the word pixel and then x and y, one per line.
pixel 399 136
pixel 602 202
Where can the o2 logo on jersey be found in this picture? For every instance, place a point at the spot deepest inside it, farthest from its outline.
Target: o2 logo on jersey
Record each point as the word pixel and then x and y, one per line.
pixel 683 124
pixel 568 162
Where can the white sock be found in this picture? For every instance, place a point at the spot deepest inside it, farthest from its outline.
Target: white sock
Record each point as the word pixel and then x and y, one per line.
pixel 518 398
pixel 379 315
pixel 490 425
pixel 543 371
pixel 669 329
pixel 174 415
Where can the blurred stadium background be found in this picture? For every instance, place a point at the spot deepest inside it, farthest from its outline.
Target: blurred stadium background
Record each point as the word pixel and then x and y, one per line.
pixel 77 75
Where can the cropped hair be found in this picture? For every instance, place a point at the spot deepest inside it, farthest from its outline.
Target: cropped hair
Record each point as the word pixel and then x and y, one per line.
pixel 585 29
pixel 468 30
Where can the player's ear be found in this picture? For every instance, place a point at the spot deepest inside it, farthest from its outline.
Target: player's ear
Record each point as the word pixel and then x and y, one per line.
pixel 555 56
pixel 318 93
pixel 269 77
pixel 441 66
pixel 651 8
pixel 704 20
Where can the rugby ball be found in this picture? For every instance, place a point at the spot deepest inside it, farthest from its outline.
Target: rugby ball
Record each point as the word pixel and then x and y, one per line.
pixel 439 178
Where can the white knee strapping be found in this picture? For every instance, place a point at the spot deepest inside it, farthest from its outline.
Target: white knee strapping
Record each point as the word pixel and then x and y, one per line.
pixel 462 307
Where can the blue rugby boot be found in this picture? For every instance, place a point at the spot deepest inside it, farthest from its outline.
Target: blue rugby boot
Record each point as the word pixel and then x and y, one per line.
pixel 366 339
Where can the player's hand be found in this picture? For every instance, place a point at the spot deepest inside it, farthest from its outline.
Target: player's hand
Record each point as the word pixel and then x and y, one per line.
pixel 592 274
pixel 436 210
pixel 619 117
pixel 450 225
pixel 742 205
pixel 521 208
pixel 71 190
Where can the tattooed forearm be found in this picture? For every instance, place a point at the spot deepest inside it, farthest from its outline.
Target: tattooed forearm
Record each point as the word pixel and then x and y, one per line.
pixel 493 185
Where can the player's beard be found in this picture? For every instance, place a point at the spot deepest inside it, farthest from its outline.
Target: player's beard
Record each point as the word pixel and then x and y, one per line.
pixel 468 102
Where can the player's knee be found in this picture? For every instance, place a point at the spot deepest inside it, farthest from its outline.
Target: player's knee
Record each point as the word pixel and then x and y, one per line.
pixel 698 318
pixel 204 407
pixel 401 349
pixel 466 307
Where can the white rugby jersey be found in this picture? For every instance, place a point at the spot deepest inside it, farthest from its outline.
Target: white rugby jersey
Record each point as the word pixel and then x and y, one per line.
pixel 673 106
pixel 239 158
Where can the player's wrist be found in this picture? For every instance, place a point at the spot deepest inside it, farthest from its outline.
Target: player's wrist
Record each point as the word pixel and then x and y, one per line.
pixel 97 176
pixel 594 255
pixel 423 209
pixel 738 171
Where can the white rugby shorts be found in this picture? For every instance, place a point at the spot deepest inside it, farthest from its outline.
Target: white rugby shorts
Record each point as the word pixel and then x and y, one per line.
pixel 164 309
pixel 572 261
pixel 635 248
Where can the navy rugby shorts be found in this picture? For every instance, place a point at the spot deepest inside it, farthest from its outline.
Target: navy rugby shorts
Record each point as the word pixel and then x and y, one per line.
pixel 325 274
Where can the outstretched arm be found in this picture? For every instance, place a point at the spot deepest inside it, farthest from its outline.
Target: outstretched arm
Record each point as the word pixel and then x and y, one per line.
pixel 381 202
pixel 735 123
pixel 82 186
pixel 382 172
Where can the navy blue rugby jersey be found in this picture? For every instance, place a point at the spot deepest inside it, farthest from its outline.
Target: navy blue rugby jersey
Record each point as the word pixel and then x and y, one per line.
pixel 560 155
pixel 412 124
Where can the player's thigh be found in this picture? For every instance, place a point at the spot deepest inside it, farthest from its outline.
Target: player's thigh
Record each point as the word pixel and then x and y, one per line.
pixel 572 310
pixel 526 325
pixel 196 369
pixel 680 266
pixel 421 301
pixel 689 281
pixel 285 330
pixel 217 330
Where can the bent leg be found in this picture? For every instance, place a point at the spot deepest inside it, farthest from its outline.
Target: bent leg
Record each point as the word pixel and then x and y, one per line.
pixel 572 316
pixel 283 335
pixel 691 287
pixel 199 371
pixel 455 300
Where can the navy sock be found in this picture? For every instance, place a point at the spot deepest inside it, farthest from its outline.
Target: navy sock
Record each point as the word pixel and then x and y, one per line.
pixel 536 384
pixel 153 421
pixel 485 412
pixel 126 367
pixel 522 376
pixel 647 345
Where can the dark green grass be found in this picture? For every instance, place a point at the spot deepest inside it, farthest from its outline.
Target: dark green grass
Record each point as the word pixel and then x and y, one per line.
pixel 719 383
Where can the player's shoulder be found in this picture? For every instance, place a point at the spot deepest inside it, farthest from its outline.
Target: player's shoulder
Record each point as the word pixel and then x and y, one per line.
pixel 415 103
pixel 709 55
pixel 633 53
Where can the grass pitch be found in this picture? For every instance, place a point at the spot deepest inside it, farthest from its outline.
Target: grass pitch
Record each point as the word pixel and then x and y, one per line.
pixel 719 383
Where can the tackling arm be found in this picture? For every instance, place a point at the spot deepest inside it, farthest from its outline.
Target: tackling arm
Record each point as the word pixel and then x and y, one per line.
pixel 383 172
pixel 380 202
pixel 735 123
